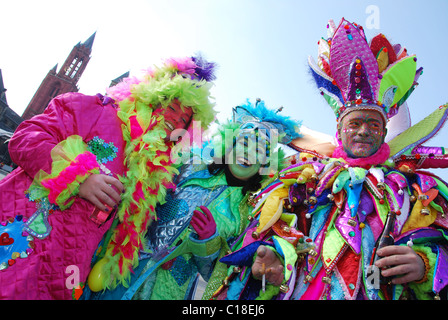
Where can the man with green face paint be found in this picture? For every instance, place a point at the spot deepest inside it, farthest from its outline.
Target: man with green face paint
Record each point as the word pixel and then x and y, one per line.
pixel 250 150
pixel 244 160
pixel 209 208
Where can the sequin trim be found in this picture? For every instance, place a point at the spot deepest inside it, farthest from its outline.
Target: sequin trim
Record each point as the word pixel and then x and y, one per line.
pixel 104 151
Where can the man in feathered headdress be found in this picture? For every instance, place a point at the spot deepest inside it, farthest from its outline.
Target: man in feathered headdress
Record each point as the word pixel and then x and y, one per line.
pixel 378 224
pixel 88 162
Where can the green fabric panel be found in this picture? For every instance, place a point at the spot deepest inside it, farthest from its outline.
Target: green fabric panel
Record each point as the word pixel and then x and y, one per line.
pixel 423 129
pixel 333 244
pixel 166 287
pixel 204 249
pixel 400 74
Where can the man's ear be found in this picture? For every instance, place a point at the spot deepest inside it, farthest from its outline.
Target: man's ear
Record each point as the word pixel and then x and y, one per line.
pixel 384 135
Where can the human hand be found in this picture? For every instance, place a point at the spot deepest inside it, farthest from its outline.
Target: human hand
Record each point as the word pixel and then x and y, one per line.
pixel 400 261
pixel 98 189
pixel 273 266
pixel 203 223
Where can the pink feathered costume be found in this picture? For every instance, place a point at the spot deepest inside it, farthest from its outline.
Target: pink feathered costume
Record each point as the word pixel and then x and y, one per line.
pixel 34 273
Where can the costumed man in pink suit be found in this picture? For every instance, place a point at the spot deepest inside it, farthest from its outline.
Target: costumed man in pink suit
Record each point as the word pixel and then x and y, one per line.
pixel 85 162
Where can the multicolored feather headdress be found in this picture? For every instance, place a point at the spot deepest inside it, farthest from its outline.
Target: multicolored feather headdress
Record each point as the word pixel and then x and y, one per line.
pixel 188 79
pixel 352 74
pixel 256 119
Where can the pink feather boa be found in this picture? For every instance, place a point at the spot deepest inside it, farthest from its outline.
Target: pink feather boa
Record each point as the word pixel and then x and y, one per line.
pixel 79 167
pixel 379 157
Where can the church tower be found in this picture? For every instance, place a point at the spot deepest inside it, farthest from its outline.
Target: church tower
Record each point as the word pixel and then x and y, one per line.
pixel 56 83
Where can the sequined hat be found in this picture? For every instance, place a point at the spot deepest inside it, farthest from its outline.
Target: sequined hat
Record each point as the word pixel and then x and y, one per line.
pixel 353 74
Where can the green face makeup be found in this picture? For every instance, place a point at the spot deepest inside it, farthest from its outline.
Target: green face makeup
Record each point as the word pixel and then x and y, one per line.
pixel 242 172
pixel 362 132
pixel 246 157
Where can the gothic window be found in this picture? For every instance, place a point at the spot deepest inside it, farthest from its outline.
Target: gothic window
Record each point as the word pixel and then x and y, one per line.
pixel 76 69
pixel 69 69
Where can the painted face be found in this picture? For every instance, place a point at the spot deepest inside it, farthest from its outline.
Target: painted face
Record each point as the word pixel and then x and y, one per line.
pixel 246 157
pixel 362 132
pixel 176 118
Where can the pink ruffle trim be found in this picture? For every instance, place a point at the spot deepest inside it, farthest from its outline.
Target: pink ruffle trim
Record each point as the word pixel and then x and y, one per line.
pixel 378 158
pixel 79 167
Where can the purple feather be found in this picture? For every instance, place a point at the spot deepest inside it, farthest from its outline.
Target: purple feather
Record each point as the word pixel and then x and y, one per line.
pixel 205 70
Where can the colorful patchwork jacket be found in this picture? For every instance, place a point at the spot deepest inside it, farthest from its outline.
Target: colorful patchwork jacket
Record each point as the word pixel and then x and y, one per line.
pixel 47 234
pixel 352 211
pixel 272 226
pixel 346 212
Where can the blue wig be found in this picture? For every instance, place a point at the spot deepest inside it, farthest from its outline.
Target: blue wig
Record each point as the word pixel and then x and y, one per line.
pixel 288 129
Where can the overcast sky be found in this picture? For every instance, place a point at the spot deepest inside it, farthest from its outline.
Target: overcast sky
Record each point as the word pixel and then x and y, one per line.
pixel 261 46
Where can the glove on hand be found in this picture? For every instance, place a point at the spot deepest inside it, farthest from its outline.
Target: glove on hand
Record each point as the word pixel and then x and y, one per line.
pixel 203 223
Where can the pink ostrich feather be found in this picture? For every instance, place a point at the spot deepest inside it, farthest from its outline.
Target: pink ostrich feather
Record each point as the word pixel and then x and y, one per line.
pixel 122 90
pixel 184 65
